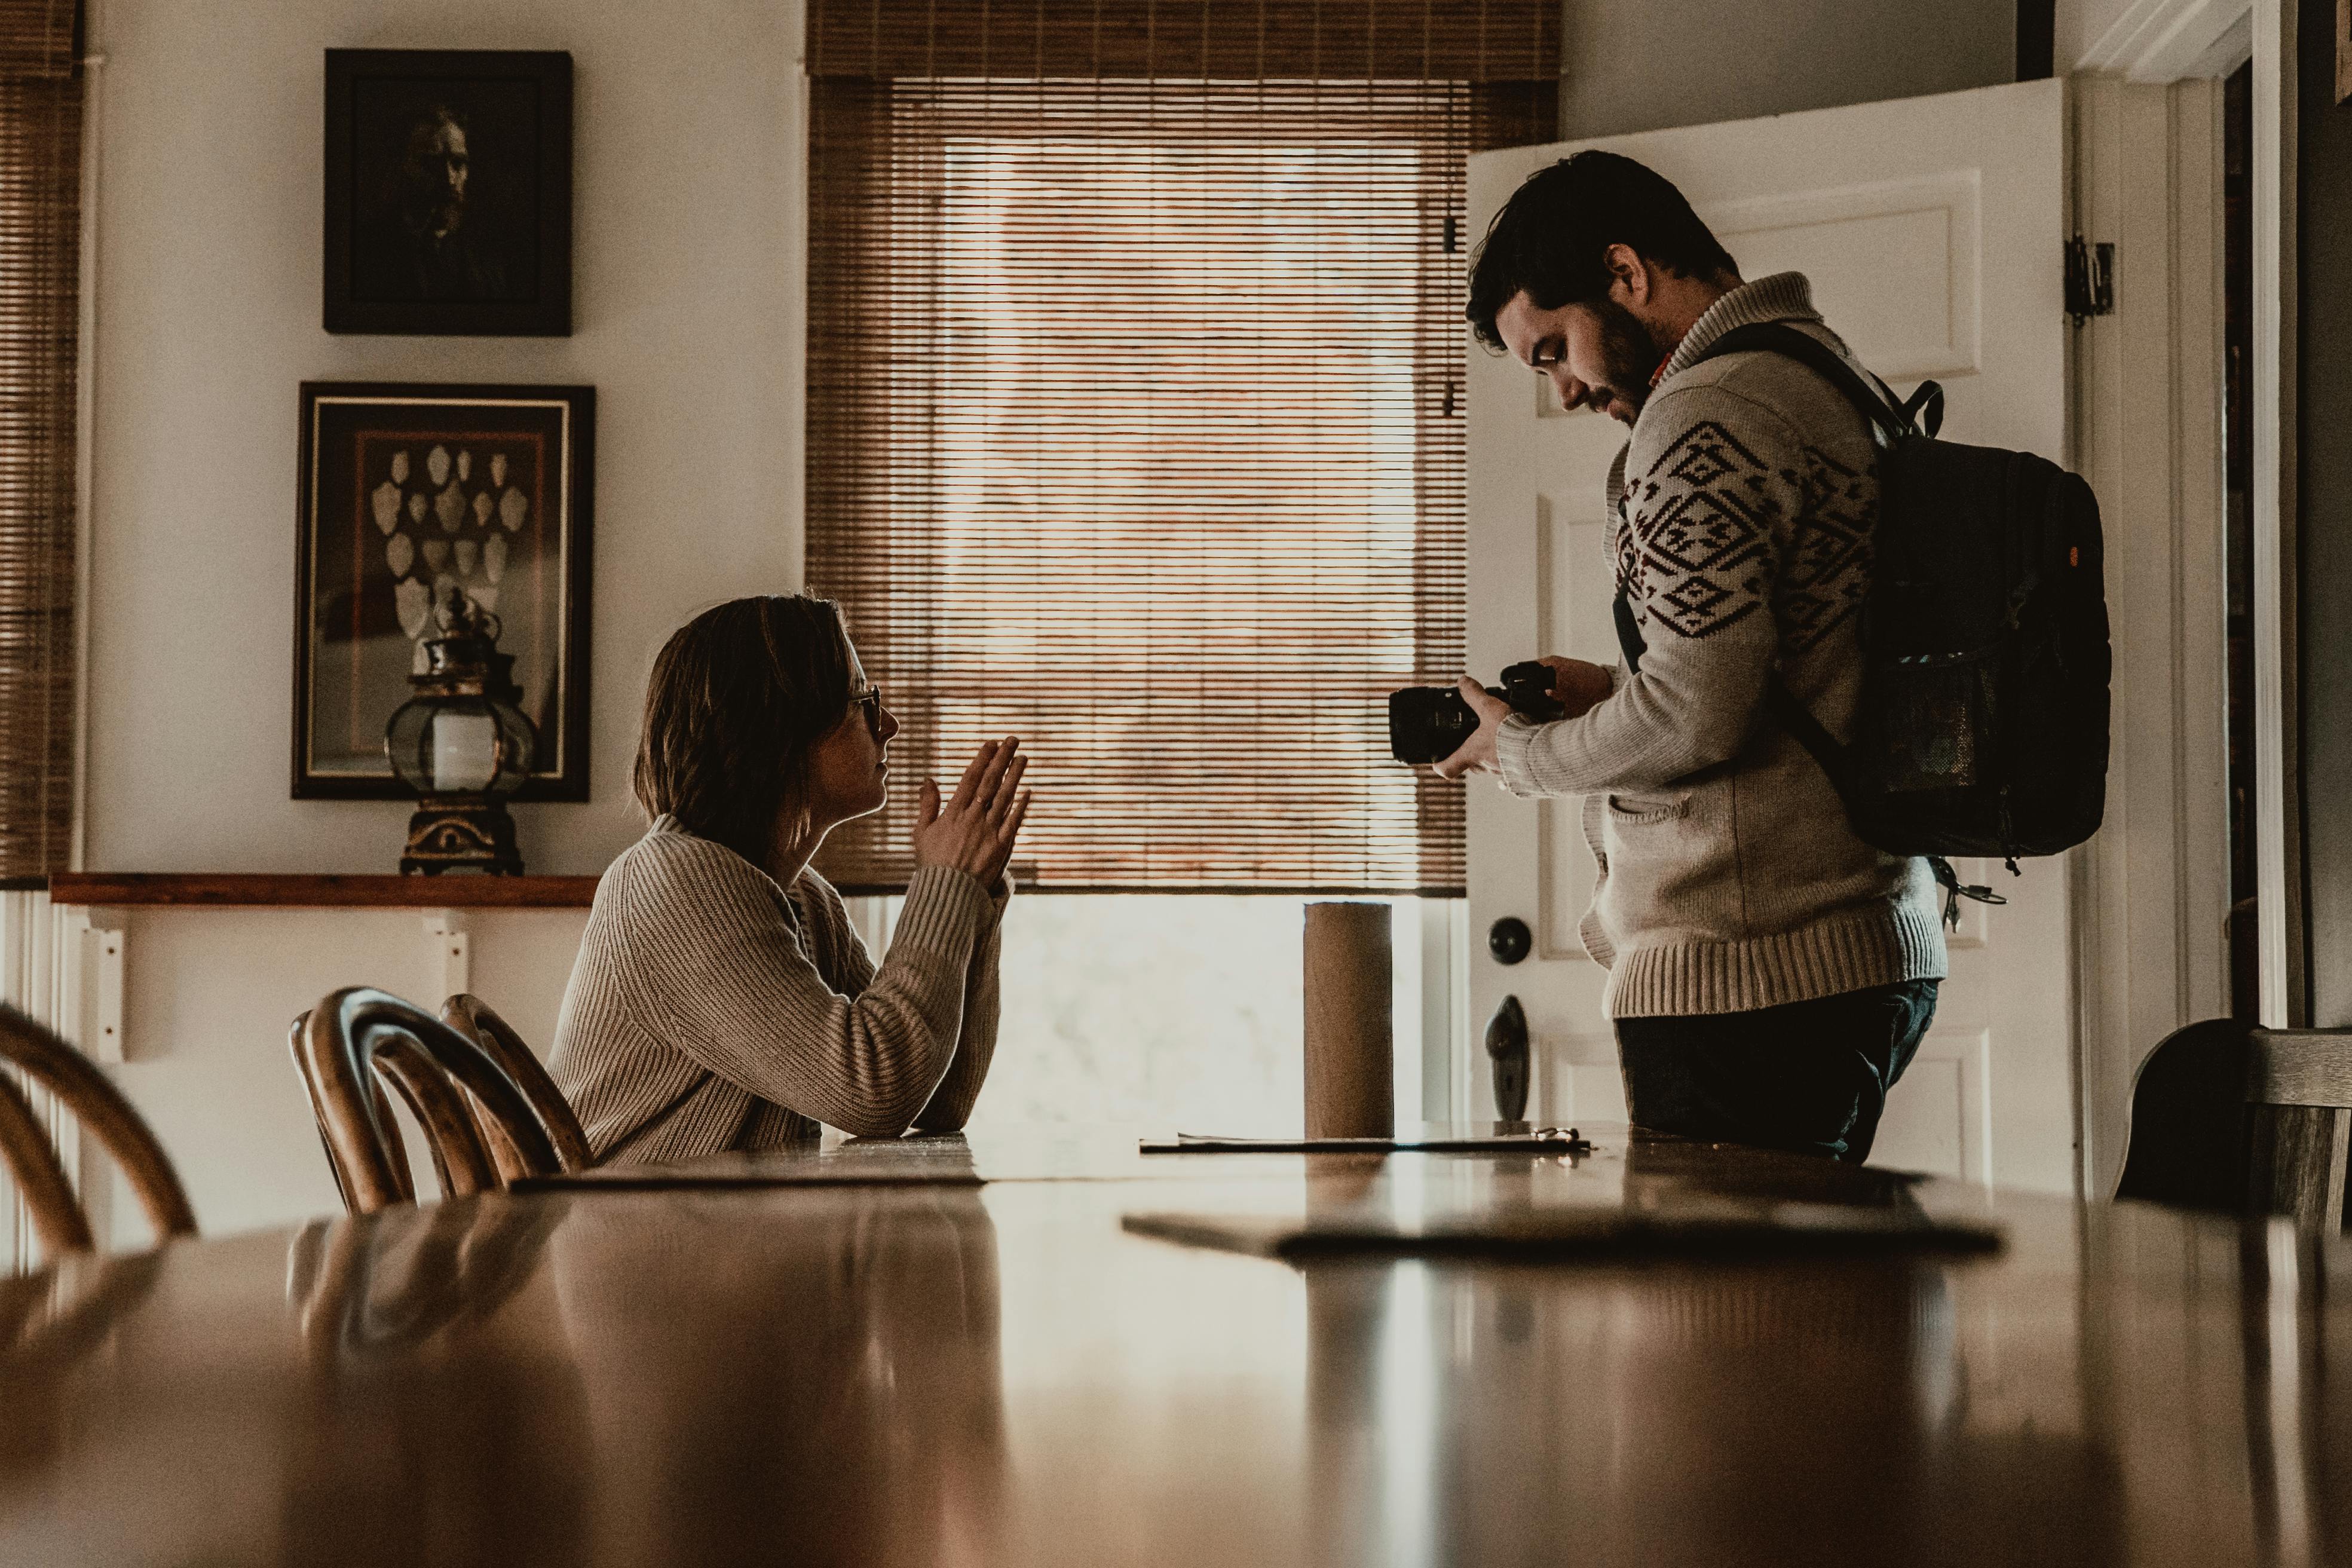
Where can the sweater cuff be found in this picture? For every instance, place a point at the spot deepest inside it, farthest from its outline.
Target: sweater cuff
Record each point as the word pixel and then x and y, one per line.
pixel 1513 742
pixel 945 908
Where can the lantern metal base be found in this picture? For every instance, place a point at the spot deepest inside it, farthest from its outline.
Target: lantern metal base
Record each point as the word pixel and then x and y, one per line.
pixel 461 833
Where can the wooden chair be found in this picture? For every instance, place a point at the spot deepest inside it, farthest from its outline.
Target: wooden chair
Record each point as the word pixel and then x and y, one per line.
pixel 461 1161
pixel 446 1079
pixel 472 1017
pixel 75 1080
pixel 2228 1116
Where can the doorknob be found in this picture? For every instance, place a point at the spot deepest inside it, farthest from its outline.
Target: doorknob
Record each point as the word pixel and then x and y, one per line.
pixel 1506 1047
pixel 1509 940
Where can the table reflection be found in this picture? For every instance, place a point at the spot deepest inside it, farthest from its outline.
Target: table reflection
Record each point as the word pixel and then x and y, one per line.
pixel 50 1325
pixel 824 1381
pixel 440 1411
pixel 1676 1408
pixel 903 1373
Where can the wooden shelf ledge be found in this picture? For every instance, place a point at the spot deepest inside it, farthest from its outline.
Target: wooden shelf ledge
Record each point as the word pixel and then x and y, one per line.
pixel 266 890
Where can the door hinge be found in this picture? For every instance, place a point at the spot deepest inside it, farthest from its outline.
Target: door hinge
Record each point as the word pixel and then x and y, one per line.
pixel 2090 280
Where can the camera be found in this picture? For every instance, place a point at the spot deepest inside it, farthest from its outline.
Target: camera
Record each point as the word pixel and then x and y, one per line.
pixel 1429 723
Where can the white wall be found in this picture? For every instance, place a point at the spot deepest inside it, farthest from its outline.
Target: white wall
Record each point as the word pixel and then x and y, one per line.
pixel 1657 63
pixel 688 284
pixel 2084 24
pixel 2153 41
pixel 688 293
pixel 209 995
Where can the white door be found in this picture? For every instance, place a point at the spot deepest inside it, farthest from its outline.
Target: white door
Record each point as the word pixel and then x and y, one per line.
pixel 1933 231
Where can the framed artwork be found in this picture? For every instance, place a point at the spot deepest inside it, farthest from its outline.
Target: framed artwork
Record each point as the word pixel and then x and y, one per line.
pixel 449 202
pixel 2343 49
pixel 406 493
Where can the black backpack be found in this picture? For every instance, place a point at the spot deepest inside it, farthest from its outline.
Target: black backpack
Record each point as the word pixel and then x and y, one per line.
pixel 1983 724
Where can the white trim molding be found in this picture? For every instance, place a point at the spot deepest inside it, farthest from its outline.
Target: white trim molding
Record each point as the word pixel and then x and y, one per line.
pixel 93 133
pixel 55 963
pixel 2158 41
pixel 2278 812
pixel 2153 888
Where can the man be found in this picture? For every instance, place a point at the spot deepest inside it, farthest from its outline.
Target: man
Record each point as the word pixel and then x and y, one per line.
pixel 1770 974
pixel 425 240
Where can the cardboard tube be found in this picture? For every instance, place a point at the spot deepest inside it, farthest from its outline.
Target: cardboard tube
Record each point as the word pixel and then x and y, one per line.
pixel 1350 1069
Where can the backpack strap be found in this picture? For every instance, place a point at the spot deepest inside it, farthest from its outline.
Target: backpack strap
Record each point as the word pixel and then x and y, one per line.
pixel 1876 406
pixel 1895 419
pixel 1779 701
pixel 1870 398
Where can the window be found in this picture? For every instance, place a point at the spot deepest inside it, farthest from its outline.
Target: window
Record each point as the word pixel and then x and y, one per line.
pixel 1134 370
pixel 1186 1011
pixel 1135 367
pixel 41 259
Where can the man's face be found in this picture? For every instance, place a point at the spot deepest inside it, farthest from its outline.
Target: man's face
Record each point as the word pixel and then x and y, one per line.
pixel 1596 354
pixel 438 168
pixel 448 159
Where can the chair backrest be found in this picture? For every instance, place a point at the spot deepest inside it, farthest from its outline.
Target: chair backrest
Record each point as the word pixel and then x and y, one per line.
pixel 470 1016
pixel 100 1106
pixel 396 1147
pixel 2227 1116
pixel 353 1035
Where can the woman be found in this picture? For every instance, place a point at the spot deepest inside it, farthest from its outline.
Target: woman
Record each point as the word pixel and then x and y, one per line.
pixel 721 998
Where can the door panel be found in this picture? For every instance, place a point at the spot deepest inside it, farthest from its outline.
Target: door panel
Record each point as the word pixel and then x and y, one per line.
pixel 1932 230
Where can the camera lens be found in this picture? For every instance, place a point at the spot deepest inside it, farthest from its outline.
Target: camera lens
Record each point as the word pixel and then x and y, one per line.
pixel 1428 723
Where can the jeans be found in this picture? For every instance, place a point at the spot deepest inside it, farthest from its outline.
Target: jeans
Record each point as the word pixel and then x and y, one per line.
pixel 1810 1076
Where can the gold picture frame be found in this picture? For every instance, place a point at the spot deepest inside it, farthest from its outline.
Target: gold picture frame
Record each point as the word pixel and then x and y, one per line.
pixel 407 491
pixel 2343 49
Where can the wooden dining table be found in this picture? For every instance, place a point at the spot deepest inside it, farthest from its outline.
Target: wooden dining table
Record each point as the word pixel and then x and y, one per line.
pixel 779 1360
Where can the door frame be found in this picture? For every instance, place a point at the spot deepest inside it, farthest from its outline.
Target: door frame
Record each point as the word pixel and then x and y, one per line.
pixel 2278 812
pixel 2151 892
pixel 2152 888
pixel 2034 1024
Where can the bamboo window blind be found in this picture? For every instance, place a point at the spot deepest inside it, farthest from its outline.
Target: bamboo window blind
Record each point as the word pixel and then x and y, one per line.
pixel 1135 391
pixel 40 260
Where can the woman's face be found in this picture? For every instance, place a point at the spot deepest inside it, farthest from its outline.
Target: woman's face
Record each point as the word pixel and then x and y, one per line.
pixel 849 773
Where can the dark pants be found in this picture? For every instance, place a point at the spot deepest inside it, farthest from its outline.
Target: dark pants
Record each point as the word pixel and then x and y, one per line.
pixel 1810 1076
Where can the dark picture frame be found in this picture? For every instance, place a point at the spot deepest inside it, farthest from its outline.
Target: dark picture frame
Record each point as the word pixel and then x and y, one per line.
pixel 405 489
pixel 448 191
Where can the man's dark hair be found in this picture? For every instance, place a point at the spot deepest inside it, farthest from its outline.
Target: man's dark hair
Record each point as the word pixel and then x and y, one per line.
pixel 739 698
pixel 1550 240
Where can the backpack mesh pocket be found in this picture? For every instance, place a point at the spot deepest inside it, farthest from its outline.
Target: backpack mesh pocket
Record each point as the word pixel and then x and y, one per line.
pixel 1928 726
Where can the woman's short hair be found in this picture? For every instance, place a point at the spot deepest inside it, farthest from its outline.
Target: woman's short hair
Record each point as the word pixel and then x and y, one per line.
pixel 739 698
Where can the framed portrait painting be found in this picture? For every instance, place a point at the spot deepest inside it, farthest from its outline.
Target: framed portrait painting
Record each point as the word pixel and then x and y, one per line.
pixel 448 197
pixel 409 494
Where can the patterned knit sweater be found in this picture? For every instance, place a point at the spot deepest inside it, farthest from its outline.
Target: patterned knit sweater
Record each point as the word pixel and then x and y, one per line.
pixel 1741 513
pixel 712 1009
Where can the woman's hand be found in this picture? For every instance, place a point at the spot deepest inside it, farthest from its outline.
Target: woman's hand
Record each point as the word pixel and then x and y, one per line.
pixel 974 830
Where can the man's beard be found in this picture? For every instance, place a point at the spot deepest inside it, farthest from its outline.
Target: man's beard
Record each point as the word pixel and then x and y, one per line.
pixel 434 212
pixel 1628 356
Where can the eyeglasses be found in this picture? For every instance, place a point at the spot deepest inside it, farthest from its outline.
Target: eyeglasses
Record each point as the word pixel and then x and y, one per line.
pixel 870 699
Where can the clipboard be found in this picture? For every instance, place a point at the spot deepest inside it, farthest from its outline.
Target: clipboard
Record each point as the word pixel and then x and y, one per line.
pixel 1542 1141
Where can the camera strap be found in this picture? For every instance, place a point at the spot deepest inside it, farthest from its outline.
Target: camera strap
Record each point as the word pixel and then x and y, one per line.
pixel 1780 702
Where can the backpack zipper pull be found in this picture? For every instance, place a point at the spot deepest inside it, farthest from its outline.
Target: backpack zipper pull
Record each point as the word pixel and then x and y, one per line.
pixel 1955 890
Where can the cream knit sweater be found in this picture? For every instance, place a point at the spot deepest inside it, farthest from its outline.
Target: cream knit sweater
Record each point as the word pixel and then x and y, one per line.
pixel 1741 514
pixel 712 1009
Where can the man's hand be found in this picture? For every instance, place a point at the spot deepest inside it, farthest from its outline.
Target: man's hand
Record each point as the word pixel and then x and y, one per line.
pixel 1476 755
pixel 1578 684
